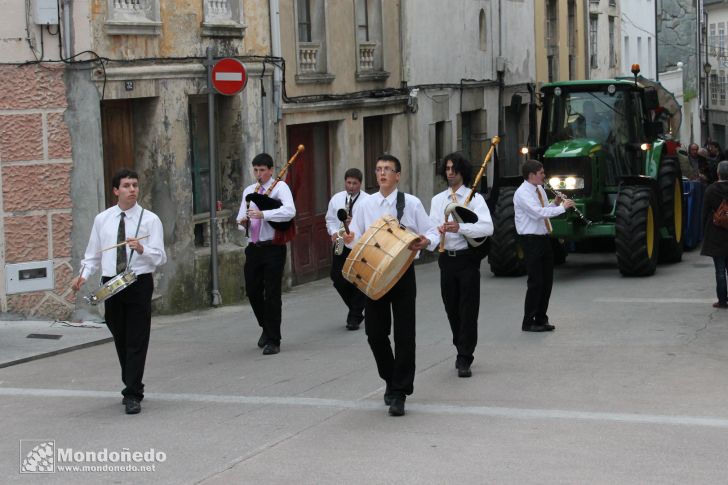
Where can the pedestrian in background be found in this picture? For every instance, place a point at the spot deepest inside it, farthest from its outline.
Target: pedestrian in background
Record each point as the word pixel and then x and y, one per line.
pixel 715 243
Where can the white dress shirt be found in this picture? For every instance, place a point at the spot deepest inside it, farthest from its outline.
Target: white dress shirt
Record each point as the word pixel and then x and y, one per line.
pixel 104 233
pixel 338 201
pixel 530 215
pixel 457 241
pixel 376 205
pixel 284 213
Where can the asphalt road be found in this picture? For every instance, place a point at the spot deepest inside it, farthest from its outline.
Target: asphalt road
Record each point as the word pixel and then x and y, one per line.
pixel 630 388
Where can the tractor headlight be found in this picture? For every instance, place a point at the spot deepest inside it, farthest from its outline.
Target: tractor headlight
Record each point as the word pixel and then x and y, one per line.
pixel 567 182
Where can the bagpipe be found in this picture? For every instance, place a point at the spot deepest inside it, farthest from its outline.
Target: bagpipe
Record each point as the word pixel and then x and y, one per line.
pixel 284 230
pixel 461 213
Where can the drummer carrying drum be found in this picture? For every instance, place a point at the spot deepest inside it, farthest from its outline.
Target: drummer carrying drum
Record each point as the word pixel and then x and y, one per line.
pixel 397 367
pixel 136 236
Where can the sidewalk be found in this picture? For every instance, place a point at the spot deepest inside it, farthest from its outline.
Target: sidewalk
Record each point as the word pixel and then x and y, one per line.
pixel 25 340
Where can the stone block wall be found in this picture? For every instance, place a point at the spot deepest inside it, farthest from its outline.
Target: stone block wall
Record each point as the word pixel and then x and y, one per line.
pixel 35 176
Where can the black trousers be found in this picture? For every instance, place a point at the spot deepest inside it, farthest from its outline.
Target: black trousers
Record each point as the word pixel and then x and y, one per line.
pixel 397 367
pixel 128 315
pixel 460 289
pixel 540 268
pixel 350 294
pixel 263 274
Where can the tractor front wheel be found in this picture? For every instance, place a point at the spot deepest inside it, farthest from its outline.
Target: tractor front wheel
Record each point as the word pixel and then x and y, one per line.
pixel 637 231
pixel 506 255
pixel 672 210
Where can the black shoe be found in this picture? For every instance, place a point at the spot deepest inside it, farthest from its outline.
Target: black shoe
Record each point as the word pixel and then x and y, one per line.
pixel 271 349
pixel 397 407
pixel 538 328
pixel 464 371
pixel 546 324
pixel 351 325
pixel 262 340
pixel 388 396
pixel 133 406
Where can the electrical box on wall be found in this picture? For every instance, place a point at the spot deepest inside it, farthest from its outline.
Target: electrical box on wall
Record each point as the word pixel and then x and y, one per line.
pixel 25 277
pixel 45 12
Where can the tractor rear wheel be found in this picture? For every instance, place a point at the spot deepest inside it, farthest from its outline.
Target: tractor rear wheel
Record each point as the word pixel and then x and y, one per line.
pixel 672 210
pixel 506 255
pixel 637 231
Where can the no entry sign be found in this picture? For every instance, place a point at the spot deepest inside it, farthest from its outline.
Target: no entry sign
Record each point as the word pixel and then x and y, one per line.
pixel 229 76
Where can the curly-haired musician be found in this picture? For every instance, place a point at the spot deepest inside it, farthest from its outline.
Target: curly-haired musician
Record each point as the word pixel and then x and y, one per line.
pixel 459 263
pixel 265 257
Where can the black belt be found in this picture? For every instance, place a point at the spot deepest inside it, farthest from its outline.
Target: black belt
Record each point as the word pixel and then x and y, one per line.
pixel 454 254
pixel 535 235
pixel 260 244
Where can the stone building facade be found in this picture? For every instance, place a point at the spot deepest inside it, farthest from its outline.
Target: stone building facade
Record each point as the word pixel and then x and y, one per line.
pixel 133 93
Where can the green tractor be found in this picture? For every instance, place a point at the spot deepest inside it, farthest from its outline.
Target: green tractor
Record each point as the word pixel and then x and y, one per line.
pixel 601 145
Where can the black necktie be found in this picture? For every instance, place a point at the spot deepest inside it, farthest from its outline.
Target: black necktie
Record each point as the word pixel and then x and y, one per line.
pixel 121 250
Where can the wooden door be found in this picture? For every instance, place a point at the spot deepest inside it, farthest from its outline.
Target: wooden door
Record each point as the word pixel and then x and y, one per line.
pixel 118 141
pixel 373 148
pixel 309 179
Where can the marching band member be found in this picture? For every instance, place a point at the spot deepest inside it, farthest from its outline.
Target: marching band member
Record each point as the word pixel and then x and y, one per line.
pixel 397 367
pixel 346 199
pixel 128 313
pixel 459 264
pixel 532 214
pixel 264 259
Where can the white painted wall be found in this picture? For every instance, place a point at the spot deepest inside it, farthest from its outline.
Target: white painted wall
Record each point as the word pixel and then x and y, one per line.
pixel 14 45
pixel 442 44
pixel 638 37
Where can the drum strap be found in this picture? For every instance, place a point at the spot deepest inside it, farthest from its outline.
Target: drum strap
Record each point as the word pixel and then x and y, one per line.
pixel 136 234
pixel 400 206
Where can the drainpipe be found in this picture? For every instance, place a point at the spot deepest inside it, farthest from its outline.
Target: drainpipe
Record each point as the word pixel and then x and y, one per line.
pixel 275 45
pixel 216 297
pixel 500 67
pixel 67 33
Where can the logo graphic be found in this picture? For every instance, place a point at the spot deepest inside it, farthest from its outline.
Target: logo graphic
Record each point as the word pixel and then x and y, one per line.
pixel 37 456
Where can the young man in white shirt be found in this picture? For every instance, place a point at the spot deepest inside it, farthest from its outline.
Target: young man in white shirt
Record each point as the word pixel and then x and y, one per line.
pixel 396 367
pixel 459 263
pixel 532 213
pixel 346 199
pixel 128 313
pixel 265 255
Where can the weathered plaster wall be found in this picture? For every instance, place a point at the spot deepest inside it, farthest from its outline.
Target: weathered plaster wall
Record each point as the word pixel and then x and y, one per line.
pixel 341 48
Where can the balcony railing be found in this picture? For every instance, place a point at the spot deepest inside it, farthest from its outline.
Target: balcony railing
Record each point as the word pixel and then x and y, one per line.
pixel 367 52
pixel 224 228
pixel 133 17
pixel 308 56
pixel 223 18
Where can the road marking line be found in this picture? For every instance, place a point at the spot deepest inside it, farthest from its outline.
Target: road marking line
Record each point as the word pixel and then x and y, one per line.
pixel 496 412
pixel 653 300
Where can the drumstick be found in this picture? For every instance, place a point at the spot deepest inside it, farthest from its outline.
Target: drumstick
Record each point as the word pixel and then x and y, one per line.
pixel 120 244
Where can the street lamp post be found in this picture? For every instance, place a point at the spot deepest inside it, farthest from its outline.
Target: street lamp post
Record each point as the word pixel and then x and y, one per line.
pixel 706 69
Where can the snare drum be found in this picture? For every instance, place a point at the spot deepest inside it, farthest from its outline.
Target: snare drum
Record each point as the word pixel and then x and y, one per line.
pixel 111 287
pixel 380 257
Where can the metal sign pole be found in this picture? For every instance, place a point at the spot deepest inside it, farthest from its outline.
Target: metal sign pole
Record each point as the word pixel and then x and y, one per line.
pixel 216 297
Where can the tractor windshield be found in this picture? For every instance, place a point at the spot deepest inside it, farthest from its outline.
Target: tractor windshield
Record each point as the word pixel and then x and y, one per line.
pixel 593 115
